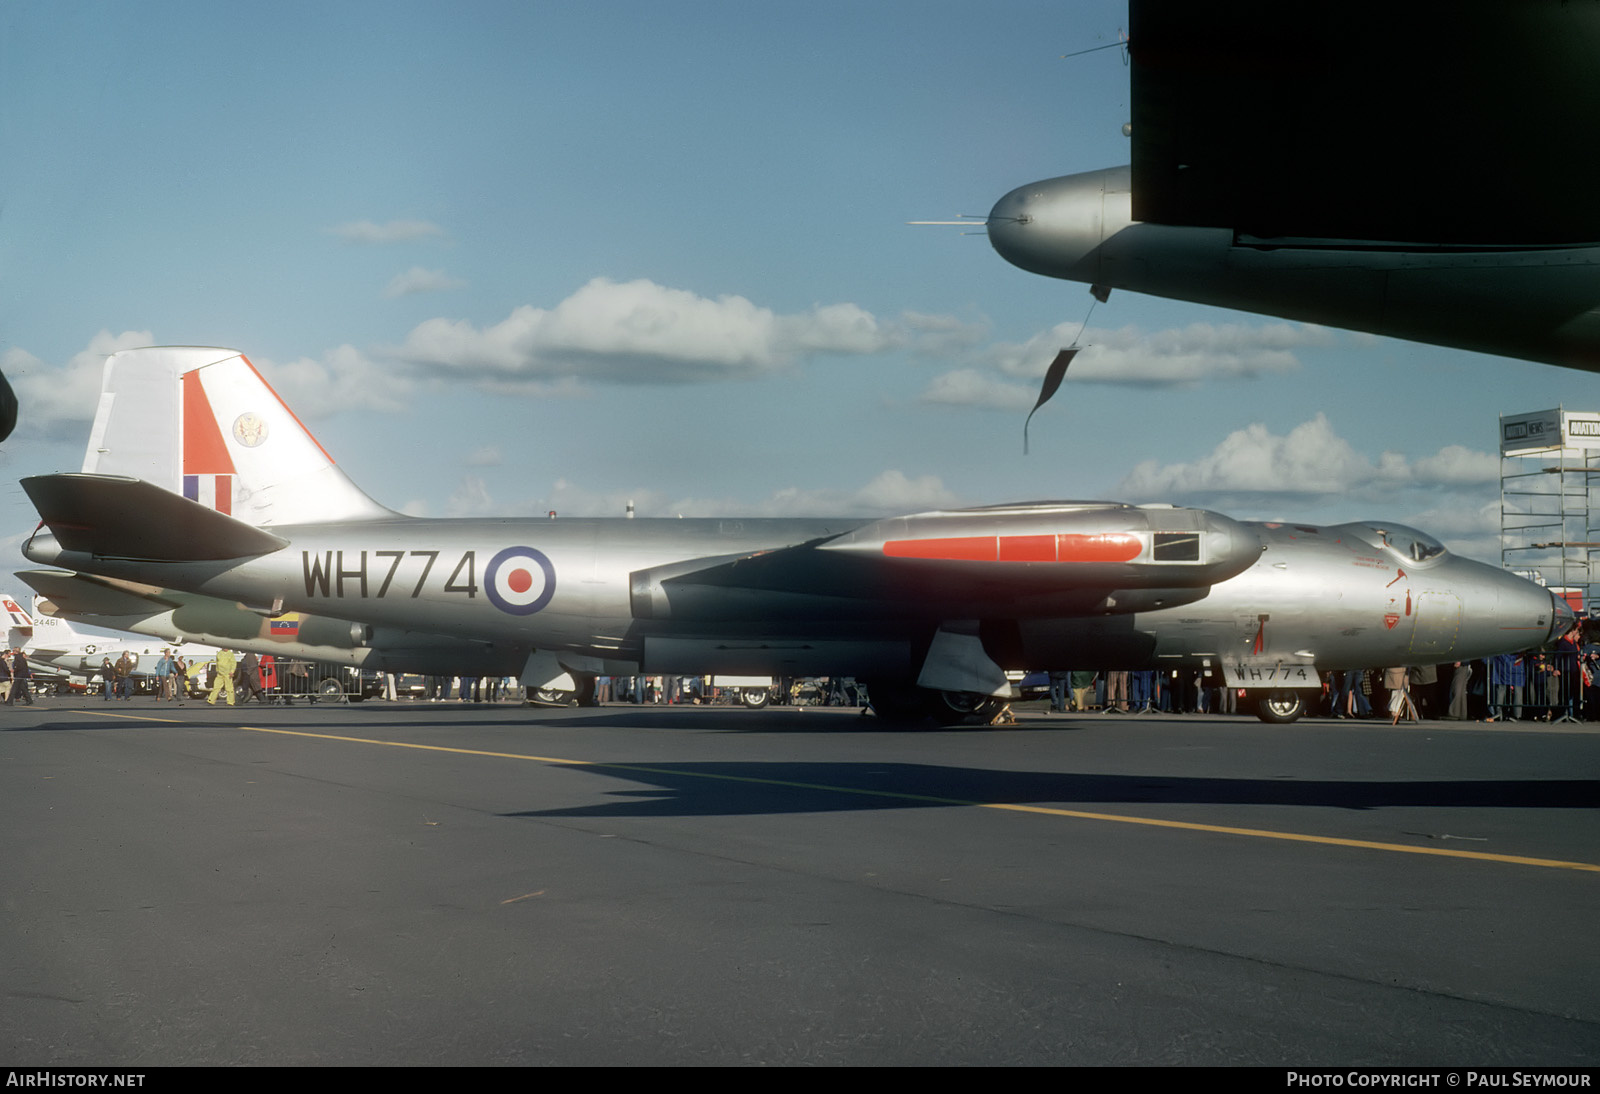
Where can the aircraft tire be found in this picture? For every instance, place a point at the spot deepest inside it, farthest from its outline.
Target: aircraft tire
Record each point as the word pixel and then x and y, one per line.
pixel 1280 707
pixel 960 708
pixel 910 705
pixel 754 698
pixel 551 697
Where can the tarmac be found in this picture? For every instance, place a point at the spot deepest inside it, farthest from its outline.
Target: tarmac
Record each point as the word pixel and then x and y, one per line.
pixel 445 883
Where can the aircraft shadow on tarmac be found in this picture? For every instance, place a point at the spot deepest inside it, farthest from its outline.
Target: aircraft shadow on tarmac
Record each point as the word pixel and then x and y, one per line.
pixel 713 789
pixel 760 788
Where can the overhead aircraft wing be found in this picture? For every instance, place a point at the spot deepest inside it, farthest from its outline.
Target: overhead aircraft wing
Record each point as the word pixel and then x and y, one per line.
pixel 114 517
pixel 1363 119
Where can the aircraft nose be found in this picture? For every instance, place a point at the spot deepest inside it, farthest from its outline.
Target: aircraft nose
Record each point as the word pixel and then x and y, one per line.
pixel 1501 612
pixel 1054 227
pixel 1564 619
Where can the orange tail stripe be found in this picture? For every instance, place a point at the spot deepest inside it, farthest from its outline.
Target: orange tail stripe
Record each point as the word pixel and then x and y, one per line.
pixel 204 452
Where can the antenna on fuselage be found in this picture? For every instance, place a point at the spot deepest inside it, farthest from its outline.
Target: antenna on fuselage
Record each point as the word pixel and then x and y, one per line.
pixel 966 221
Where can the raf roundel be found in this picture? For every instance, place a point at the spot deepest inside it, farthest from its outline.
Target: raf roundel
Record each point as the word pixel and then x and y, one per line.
pixel 519 580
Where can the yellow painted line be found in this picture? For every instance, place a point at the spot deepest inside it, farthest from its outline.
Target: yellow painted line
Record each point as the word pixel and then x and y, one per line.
pixel 896 795
pixel 1299 837
pixel 425 748
pixel 131 717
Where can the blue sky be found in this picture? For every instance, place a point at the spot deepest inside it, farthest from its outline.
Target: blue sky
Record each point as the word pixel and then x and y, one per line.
pixel 505 258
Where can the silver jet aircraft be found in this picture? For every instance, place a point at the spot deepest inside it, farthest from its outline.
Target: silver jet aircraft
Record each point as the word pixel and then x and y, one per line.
pixel 199 478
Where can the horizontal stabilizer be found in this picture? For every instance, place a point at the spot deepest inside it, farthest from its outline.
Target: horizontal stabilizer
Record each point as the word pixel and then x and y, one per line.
pixel 80 594
pixel 114 517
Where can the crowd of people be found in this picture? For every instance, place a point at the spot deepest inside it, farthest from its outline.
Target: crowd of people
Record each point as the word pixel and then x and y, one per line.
pixel 1562 684
pixel 16 678
pixel 1554 685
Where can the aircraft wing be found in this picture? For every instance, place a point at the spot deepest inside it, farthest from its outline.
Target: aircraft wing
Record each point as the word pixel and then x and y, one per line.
pixel 1042 559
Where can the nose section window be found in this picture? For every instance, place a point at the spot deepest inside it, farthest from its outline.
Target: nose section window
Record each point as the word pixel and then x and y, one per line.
pixel 1175 547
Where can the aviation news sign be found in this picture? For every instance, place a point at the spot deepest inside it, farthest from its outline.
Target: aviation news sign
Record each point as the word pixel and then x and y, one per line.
pixel 1547 431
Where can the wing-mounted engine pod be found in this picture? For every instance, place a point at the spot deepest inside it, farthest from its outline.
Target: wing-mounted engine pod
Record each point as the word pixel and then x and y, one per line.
pixel 1068 544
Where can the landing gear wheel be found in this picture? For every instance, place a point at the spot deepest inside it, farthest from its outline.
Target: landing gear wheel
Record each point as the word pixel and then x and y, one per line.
pixel 955 708
pixel 1280 707
pixel 754 698
pixel 550 697
pixel 910 705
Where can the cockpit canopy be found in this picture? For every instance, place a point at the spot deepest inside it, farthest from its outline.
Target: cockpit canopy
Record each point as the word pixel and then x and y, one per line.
pixel 1405 543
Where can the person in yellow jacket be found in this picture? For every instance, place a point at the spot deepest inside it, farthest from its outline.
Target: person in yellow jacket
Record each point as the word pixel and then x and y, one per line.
pixel 224 678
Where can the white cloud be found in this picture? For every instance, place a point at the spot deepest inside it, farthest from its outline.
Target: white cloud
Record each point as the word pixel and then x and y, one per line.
pixel 941 335
pixel 343 379
pixel 1309 461
pixel 894 492
pixel 59 400
pixel 972 387
pixel 418 280
pixel 1454 465
pixel 471 499
pixel 639 331
pixel 394 231
pixel 888 493
pixel 1179 357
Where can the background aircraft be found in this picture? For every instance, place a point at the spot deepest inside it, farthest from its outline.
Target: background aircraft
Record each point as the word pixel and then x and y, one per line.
pixel 929 608
pixel 58 649
pixel 173 615
pixel 1413 170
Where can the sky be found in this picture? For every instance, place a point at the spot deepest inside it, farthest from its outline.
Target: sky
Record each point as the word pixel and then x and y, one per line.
pixel 504 258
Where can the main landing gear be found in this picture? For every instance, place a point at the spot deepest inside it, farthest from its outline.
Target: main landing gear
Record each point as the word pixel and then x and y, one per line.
pixel 907 705
pixel 1280 707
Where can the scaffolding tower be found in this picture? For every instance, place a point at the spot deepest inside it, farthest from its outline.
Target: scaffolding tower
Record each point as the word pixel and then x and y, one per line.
pixel 1549 478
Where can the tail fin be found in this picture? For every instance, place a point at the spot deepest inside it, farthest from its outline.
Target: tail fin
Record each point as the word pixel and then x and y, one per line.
pixel 19 623
pixel 201 422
